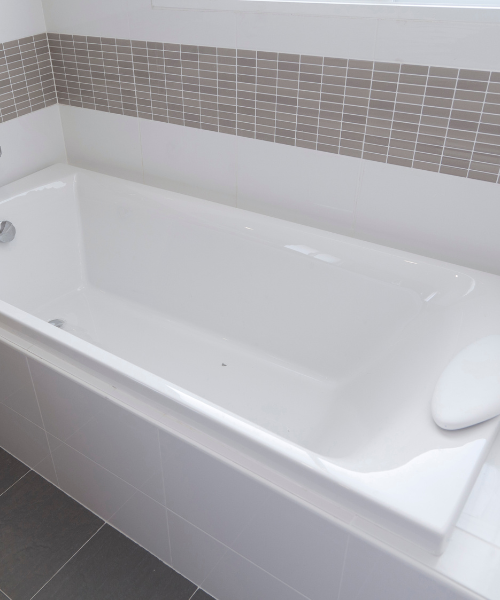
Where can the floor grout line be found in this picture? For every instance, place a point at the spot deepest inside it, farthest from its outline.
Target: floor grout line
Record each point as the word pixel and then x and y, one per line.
pixel 71 558
pixel 105 522
pixel 8 597
pixel 191 597
pixel 11 486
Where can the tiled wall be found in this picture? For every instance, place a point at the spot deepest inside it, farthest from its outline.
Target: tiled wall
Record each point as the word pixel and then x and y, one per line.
pixel 26 77
pixel 439 119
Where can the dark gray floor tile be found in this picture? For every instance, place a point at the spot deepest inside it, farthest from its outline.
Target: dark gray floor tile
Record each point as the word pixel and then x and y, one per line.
pixel 11 470
pixel 201 595
pixel 3 596
pixel 40 529
pixel 112 567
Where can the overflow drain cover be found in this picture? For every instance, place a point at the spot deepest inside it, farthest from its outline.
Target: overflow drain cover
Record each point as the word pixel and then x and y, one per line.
pixel 57 322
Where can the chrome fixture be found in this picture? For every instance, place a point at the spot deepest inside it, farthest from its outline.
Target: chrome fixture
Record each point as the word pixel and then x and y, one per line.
pixel 7 232
pixel 57 323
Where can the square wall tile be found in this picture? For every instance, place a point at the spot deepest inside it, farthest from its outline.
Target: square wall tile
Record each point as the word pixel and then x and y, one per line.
pixel 296 184
pixel 370 573
pixel 189 161
pixel 103 142
pixel 472 563
pixel 17 390
pixel 481 516
pixel 104 432
pixel 194 553
pixel 436 215
pixel 90 484
pixel 296 545
pixel 65 405
pixel 282 537
pixel 22 438
pixel 236 577
pixel 145 521
pixel 203 490
pixel 31 143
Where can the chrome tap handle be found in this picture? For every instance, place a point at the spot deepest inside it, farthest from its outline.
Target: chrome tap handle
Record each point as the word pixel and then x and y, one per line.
pixel 7 231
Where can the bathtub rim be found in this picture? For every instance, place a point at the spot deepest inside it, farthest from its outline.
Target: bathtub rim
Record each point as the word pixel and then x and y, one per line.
pixel 141 393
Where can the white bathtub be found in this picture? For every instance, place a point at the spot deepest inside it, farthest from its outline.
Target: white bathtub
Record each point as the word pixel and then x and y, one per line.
pixel 305 357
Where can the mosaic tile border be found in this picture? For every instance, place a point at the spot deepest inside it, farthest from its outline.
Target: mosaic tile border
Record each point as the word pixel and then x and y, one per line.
pixel 439 119
pixel 26 77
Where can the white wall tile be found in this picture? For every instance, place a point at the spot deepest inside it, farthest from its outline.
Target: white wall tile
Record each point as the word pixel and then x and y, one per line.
pixel 103 142
pixel 219 500
pixel 145 521
pixel 372 574
pixel 197 27
pixel 282 537
pixel 305 186
pixel 101 18
pixel 125 445
pixel 481 515
pixel 299 34
pixel 16 390
pixel 440 43
pixel 20 18
pixel 296 545
pixel 30 143
pixel 190 161
pixel 104 432
pixel 473 563
pixel 436 215
pixel 194 553
pixel 237 578
pixel 65 405
pixel 88 483
pixel 22 438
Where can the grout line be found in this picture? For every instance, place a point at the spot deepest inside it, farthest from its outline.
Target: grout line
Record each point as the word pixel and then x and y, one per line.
pixel 228 549
pixel 448 122
pixel 59 570
pixel 18 480
pixel 8 597
pixel 343 566
pixel 391 129
pixel 194 593
pixel 105 521
pixel 164 495
pixel 43 423
pixel 343 106
pixel 367 110
pixel 420 117
pixel 479 124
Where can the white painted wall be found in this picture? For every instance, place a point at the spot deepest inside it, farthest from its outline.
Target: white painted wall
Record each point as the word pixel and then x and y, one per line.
pixel 33 141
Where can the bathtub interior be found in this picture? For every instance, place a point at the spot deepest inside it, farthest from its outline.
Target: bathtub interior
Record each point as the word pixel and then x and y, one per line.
pixel 335 346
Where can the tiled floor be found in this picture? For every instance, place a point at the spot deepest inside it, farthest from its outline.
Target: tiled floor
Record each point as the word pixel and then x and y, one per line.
pixel 53 548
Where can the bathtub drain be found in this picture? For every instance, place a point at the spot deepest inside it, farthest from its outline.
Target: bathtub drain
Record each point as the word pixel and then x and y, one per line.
pixel 57 322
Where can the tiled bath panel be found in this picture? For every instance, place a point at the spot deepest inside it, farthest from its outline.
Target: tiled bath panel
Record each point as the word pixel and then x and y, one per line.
pixel 444 120
pixel 227 531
